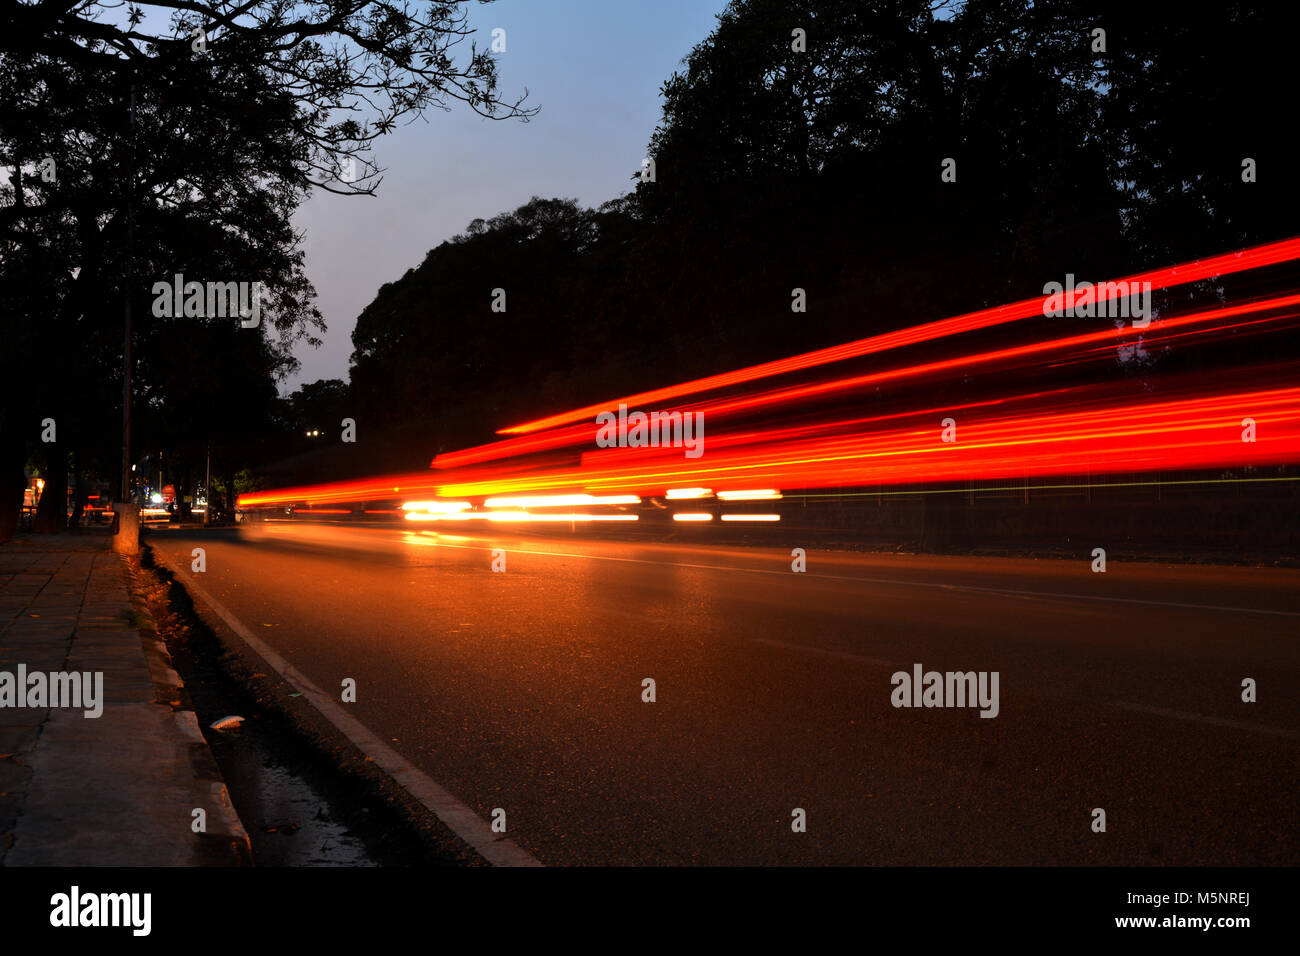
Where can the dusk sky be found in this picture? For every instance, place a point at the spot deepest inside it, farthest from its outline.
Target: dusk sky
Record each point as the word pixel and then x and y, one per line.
pixel 593 66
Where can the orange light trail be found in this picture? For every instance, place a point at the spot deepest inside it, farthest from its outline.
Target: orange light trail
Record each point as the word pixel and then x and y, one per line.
pixel 1111 426
pixel 1133 436
pixel 1088 345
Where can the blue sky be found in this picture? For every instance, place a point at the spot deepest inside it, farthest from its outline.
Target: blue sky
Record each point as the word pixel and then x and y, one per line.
pixel 593 66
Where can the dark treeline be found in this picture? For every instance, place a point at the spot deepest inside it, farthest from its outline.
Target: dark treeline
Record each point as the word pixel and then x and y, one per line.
pixel 819 168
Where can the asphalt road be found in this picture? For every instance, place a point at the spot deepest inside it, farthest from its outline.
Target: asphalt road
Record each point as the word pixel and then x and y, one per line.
pixel 523 691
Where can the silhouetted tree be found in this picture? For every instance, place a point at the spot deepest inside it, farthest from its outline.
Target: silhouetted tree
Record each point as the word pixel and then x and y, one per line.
pixel 237 113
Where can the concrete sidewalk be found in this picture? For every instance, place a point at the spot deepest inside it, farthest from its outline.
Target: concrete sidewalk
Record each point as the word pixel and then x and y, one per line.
pixel 115 790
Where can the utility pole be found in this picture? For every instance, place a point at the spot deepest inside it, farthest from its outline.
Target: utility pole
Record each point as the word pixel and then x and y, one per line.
pixel 126 515
pixel 125 495
pixel 207 486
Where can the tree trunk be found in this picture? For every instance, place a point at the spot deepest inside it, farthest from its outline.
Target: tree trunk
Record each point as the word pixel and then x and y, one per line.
pixel 228 499
pixel 181 482
pixel 12 484
pixel 79 492
pixel 52 511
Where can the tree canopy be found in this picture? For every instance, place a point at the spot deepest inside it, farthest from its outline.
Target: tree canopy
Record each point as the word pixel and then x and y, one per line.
pixel 160 139
pixel 801 146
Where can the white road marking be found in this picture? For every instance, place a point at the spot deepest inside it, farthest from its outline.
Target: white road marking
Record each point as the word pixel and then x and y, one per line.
pixel 888 581
pixel 463 821
pixel 1205 719
pixel 823 652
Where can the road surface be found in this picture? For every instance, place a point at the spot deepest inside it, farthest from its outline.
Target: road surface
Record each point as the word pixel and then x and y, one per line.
pixel 523 691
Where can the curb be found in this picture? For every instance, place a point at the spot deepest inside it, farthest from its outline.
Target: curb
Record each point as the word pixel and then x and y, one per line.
pixel 224 830
pixel 461 820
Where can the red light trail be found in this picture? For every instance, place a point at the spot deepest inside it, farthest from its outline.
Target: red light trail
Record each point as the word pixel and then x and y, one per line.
pixel 1227 264
pixel 1101 344
pixel 1098 428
